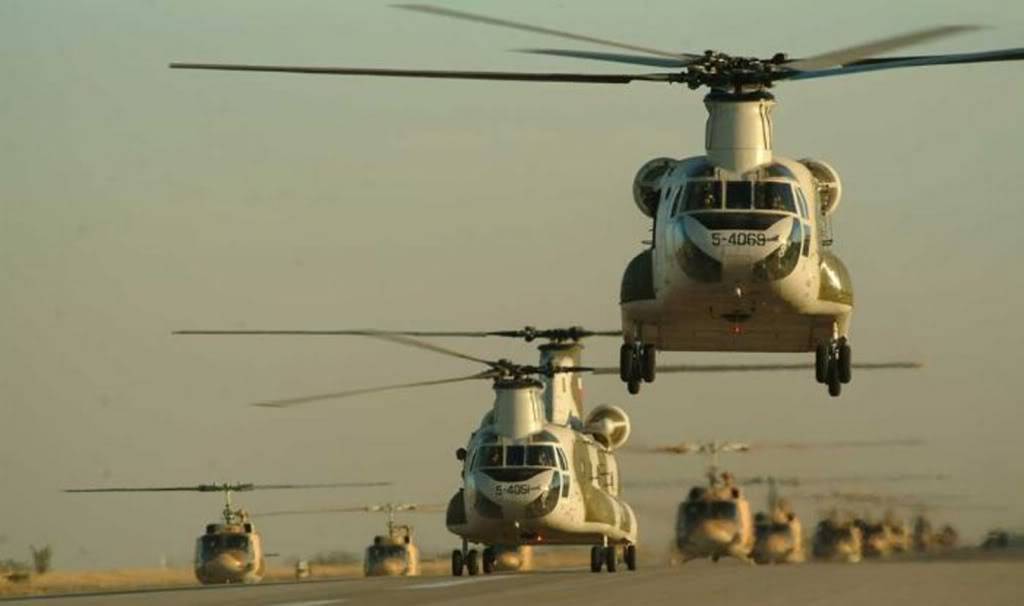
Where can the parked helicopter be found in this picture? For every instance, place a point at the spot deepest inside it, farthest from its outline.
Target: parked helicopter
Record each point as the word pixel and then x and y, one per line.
pixel 390 554
pixel 740 259
pixel 231 551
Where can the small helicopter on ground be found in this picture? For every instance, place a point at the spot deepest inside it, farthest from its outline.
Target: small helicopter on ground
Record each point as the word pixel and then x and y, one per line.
pixel 740 259
pixel 231 551
pixel 838 537
pixel 390 554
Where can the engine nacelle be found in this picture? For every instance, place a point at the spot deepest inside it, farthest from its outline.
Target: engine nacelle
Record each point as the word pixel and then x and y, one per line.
pixel 609 425
pixel 826 179
pixel 647 184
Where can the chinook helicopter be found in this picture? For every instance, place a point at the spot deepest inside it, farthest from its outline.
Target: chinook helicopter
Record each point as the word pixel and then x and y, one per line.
pixel 390 554
pixel 740 260
pixel 230 551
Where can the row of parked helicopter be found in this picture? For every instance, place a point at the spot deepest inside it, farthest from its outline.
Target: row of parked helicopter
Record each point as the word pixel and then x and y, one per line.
pixel 540 470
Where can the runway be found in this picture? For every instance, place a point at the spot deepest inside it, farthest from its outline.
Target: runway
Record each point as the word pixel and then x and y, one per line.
pixel 936 583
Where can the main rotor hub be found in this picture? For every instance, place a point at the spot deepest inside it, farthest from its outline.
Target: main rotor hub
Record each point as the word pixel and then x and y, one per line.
pixel 720 71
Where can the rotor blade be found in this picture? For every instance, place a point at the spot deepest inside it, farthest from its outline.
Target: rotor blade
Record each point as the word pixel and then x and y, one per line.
pixel 404 508
pixel 432 73
pixel 837 444
pixel 672 368
pixel 327 485
pixel 1008 54
pixel 852 54
pixel 400 337
pixel 662 62
pixel 287 402
pixel 476 18
pixel 527 332
pixel 682 448
pixel 200 488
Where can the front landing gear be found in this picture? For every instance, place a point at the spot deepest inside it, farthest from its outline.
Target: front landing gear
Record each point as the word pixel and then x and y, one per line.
pixel 833 365
pixel 637 363
pixel 465 559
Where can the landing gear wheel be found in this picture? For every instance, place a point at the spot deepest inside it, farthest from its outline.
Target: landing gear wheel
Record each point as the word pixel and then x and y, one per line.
pixel 821 363
pixel 473 562
pixel 835 386
pixel 630 557
pixel 596 558
pixel 648 363
pixel 457 563
pixel 633 387
pixel 845 362
pixel 626 362
pixel 610 559
pixel 490 559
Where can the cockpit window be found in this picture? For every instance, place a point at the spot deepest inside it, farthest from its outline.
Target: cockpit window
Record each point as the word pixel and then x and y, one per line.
pixel 774 196
pixel 737 194
pixel 540 456
pixel 722 510
pixel 701 195
pixel 561 460
pixel 236 541
pixel 515 456
pixel 490 456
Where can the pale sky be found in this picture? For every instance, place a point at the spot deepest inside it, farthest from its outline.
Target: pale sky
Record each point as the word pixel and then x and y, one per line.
pixel 137 200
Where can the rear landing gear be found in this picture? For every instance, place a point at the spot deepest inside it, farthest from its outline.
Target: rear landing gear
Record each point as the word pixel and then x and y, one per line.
pixel 637 363
pixel 833 365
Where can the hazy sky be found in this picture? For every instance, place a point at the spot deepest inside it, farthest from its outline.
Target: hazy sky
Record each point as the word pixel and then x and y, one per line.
pixel 136 200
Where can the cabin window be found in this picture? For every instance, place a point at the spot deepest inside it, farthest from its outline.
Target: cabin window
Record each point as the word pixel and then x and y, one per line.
pixel 540 456
pixel 803 203
pixel 515 456
pixel 565 487
pixel 562 462
pixel 769 195
pixel 490 456
pixel 702 195
pixel 738 195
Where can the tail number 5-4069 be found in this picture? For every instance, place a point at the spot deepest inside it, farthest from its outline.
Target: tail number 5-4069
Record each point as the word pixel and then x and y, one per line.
pixel 740 238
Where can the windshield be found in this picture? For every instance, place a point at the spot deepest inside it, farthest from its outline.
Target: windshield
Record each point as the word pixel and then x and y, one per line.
pixel 383 552
pixel 519 456
pixel 213 544
pixel 739 195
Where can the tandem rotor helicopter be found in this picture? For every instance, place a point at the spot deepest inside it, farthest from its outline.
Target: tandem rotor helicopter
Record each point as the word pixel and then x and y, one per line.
pixel 230 551
pixel 740 260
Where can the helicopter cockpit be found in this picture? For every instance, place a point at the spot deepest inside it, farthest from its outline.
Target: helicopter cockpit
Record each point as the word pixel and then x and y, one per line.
pixel 213 544
pixel 695 511
pixel 516 463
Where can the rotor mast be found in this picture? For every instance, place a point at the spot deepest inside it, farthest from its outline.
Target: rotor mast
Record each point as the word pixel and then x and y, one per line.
pixel 738 134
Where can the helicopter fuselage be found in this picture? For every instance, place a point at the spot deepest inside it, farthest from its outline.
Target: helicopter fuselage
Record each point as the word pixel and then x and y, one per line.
pixel 738 263
pixel 714 522
pixel 229 554
pixel 558 486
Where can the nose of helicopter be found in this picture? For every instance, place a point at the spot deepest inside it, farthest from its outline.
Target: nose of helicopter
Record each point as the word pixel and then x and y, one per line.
pixel 717 533
pixel 388 567
pixel 777 546
pixel 225 566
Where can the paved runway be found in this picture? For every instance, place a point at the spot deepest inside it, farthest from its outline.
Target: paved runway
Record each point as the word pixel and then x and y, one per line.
pixel 992 582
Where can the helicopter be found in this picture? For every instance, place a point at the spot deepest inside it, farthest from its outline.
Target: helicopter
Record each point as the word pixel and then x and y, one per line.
pixel 740 259
pixel 390 554
pixel 230 551
pixel 838 537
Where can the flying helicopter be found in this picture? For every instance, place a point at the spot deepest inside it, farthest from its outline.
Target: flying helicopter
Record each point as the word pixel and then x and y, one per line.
pixel 230 551
pixel 741 257
pixel 390 554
